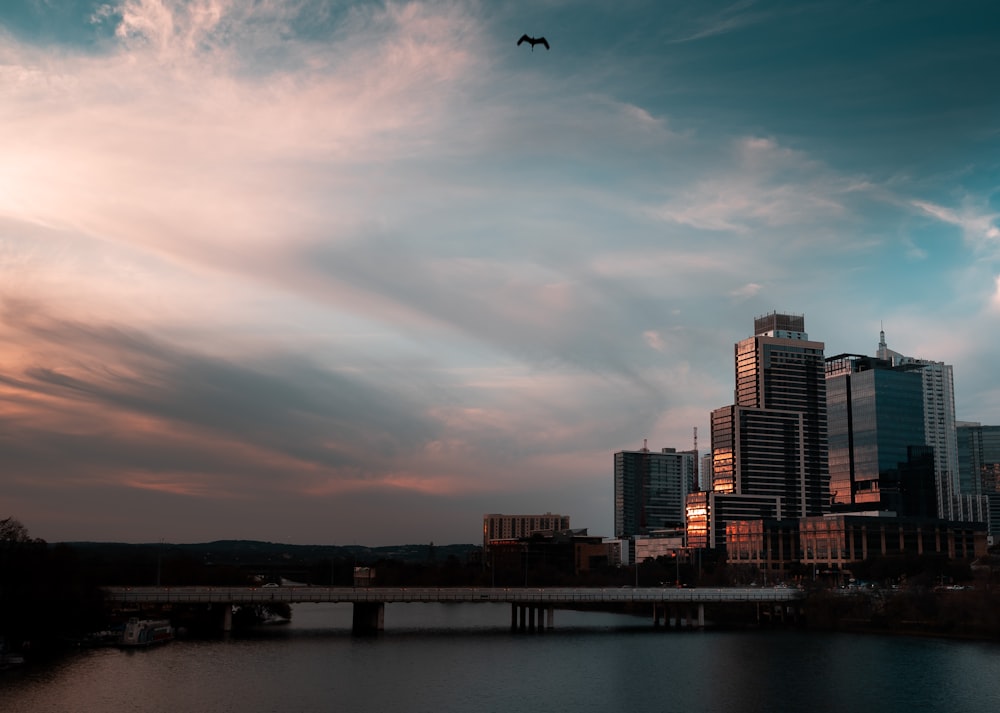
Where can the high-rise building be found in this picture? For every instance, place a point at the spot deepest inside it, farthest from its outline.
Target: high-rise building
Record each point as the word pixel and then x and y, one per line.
pixel 760 452
pixel 771 445
pixel 780 369
pixel 939 422
pixel 705 476
pixel 979 469
pixel 878 457
pixel 978 458
pixel 650 489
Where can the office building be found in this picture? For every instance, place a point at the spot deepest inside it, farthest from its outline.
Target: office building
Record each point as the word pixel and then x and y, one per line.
pixel 708 512
pixel 705 475
pixel 650 488
pixel 834 542
pixel 770 446
pixel 780 370
pixel 939 422
pixel 508 528
pixel 979 472
pixel 760 452
pixel 878 458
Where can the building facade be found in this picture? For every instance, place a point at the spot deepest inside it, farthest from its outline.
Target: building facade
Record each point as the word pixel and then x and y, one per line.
pixel 650 489
pixel 834 542
pixel 780 369
pixel 979 472
pixel 878 458
pixel 508 528
pixel 709 511
pixel 828 545
pixel 769 448
pixel 939 422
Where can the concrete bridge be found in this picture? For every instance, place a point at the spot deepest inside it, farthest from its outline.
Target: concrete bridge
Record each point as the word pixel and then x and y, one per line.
pixel 528 604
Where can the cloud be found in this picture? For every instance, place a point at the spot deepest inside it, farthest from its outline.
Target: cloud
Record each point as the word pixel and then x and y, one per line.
pixel 730 18
pixel 762 186
pixel 654 340
pixel 978 226
pixel 751 289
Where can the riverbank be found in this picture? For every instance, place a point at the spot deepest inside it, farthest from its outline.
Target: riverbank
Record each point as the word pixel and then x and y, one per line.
pixel 948 613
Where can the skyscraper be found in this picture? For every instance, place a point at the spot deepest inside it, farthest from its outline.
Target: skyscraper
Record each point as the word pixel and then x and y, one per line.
pixel 780 378
pixel 650 489
pixel 771 444
pixel 979 470
pixel 878 457
pixel 939 422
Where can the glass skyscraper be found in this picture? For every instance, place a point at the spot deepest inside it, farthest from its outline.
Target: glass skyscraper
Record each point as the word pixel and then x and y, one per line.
pixel 650 489
pixel 879 459
pixel 939 422
pixel 979 467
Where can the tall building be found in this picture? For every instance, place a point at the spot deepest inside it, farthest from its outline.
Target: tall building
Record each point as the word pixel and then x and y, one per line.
pixel 939 422
pixel 760 452
pixel 780 369
pixel 769 448
pixel 650 489
pixel 705 475
pixel 979 469
pixel 878 457
pixel 978 458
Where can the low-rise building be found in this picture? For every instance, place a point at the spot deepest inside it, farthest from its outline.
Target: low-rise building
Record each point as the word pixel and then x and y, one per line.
pixel 510 528
pixel 833 543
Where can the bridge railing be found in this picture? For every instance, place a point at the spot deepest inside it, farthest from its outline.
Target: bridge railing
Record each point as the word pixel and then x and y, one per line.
pixel 512 595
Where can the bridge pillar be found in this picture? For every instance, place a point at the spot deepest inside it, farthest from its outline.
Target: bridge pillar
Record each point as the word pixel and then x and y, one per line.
pixel 227 617
pixel 550 617
pixel 701 615
pixel 369 617
pixel 513 617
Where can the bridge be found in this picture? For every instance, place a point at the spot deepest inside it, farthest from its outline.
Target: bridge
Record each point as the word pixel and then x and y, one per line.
pixel 528 604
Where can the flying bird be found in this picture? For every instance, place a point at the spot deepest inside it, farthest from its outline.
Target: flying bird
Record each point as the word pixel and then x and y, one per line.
pixel 533 41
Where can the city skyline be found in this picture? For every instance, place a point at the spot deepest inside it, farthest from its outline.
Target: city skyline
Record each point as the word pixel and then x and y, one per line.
pixel 364 272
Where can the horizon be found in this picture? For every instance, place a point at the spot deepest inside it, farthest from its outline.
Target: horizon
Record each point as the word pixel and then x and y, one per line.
pixel 308 271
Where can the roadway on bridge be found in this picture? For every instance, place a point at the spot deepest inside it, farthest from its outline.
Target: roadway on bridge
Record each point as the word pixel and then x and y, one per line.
pixel 554 596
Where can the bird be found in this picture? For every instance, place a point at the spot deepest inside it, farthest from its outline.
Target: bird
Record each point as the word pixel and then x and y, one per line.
pixel 533 41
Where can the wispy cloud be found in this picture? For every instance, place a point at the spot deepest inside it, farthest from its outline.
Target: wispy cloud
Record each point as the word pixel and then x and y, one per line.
pixel 764 185
pixel 728 19
pixel 978 227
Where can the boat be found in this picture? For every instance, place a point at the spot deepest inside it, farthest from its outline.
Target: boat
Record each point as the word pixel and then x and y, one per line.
pixel 146 632
pixel 8 659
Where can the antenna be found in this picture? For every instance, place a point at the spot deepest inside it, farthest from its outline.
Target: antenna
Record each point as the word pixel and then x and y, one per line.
pixel 644 445
pixel 696 441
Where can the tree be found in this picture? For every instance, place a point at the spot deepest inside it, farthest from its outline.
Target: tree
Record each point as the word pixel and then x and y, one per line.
pixel 12 532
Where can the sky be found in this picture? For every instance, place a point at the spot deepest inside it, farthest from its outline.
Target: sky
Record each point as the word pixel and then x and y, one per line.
pixel 324 272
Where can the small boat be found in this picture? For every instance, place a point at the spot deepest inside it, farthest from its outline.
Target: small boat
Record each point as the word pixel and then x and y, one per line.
pixel 146 632
pixel 8 658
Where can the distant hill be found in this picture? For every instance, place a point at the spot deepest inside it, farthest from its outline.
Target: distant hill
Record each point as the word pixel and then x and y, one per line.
pixel 251 553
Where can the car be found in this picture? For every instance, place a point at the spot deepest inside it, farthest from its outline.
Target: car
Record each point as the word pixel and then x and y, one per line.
pixel 271 584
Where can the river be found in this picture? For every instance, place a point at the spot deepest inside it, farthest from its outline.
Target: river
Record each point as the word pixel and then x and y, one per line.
pixel 439 658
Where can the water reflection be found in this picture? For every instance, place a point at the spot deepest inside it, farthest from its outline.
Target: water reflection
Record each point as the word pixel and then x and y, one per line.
pixel 445 658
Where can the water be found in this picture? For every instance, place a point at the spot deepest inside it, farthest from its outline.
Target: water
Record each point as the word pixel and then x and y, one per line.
pixel 441 658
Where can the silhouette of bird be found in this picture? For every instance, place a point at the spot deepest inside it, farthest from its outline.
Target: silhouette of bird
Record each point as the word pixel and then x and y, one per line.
pixel 533 41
